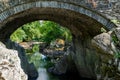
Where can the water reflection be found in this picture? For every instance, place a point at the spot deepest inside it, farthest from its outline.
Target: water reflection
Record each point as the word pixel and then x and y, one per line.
pixel 41 62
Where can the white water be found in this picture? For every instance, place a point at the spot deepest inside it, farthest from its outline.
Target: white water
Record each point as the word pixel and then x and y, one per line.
pixel 43 75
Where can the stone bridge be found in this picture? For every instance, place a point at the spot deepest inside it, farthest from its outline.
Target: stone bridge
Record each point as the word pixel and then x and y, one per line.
pixel 84 18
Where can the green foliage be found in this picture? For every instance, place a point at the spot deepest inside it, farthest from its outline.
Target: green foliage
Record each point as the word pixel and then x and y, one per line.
pixel 52 31
pixel 31 52
pixel 45 31
pixel 18 35
pixel 103 30
pixel 115 39
pixel 48 63
pixel 66 35
pixel 35 48
pixel 115 21
pixel 117 55
pixel 36 59
pixel 32 31
pixel 116 42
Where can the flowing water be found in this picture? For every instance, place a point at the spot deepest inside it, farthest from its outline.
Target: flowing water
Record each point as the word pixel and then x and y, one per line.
pixel 42 64
pixel 43 75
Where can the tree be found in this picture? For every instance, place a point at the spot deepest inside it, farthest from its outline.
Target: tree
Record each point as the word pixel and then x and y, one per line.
pixel 18 35
pixel 45 31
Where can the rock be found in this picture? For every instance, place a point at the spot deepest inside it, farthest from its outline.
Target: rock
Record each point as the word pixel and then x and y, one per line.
pixel 109 67
pixel 2 45
pixel 102 43
pixel 32 71
pixel 64 65
pixel 53 53
pixel 53 50
pixel 26 66
pixel 10 68
pixel 60 67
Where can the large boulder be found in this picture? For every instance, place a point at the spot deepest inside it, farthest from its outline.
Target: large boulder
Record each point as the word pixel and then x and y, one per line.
pixel 27 67
pixel 60 67
pixel 10 68
pixel 64 64
pixel 102 43
pixel 106 45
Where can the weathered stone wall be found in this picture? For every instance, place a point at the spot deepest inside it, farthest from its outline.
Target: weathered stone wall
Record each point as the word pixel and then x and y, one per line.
pixel 84 56
pixel 108 8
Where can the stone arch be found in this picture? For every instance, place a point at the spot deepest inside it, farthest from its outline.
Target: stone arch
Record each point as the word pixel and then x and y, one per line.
pixel 83 23
pixel 51 9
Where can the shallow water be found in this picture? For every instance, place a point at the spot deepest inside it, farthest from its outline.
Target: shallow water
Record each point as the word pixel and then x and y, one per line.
pixel 43 75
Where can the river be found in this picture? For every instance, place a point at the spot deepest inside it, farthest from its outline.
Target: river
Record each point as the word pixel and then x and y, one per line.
pixel 43 74
pixel 42 63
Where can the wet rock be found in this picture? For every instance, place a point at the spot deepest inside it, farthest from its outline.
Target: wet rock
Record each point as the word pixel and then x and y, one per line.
pixel 60 67
pixel 10 68
pixel 64 64
pixel 53 53
pixel 32 72
pixel 53 50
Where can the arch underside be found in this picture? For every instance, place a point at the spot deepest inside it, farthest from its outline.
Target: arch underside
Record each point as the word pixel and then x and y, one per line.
pixel 78 19
pixel 80 25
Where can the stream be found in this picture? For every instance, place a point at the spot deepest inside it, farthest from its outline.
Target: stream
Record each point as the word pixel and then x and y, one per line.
pixel 42 63
pixel 43 75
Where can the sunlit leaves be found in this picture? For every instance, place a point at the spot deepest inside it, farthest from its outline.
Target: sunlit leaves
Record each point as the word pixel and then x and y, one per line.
pixel 18 35
pixel 45 31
